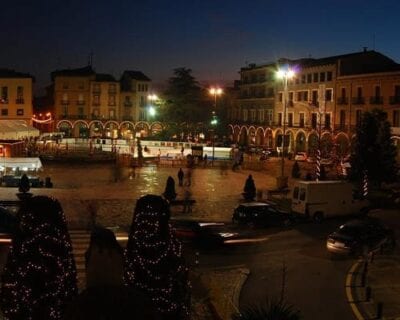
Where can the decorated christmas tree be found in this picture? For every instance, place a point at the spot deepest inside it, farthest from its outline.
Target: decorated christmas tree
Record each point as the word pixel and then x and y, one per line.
pixel 153 260
pixel 39 278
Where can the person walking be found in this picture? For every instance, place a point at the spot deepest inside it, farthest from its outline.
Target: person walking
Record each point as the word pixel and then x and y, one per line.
pixel 180 177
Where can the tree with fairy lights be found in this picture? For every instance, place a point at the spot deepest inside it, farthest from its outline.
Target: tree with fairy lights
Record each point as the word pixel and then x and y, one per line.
pixel 39 278
pixel 153 259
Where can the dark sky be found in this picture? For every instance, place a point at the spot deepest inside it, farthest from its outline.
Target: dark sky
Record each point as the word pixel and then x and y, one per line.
pixel 213 38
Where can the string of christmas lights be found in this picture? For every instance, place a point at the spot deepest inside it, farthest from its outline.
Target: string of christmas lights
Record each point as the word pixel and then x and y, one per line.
pixel 39 278
pixel 153 259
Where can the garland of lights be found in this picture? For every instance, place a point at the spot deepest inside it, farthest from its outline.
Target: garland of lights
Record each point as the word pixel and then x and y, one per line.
pixel 154 264
pixel 40 277
pixel 49 120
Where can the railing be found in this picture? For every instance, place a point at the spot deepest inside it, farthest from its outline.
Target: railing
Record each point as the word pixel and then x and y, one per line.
pixel 127 104
pixel 395 100
pixel 358 100
pixel 342 100
pixel 19 101
pixel 3 101
pixel 376 100
pixel 80 102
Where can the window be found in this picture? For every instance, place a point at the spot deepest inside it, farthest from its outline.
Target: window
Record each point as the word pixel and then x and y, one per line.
pixel 253 115
pixel 343 92
pixel 327 120
pixel 4 112
pixel 142 114
pixel 299 96
pixel 20 112
pixel 80 111
pixel 261 115
pixel 329 76
pixel 112 88
pixel 302 196
pixel 64 98
pixel 315 77
pixel 96 100
pixel 111 114
pixel 4 94
pixel 328 94
pixel 280 119
pixel 301 120
pixel 377 91
pixel 359 92
pixel 96 88
pixel 290 96
pixel 81 86
pixel 315 97
pixel 303 78
pixel 20 92
pixel 290 119
pixel 142 102
pixel 322 76
pixel 396 118
pixel 111 100
pixel 305 95
pixel 280 96
pixel 270 92
pixel 397 91
pixel 314 120
pixel 269 116
pixel 65 85
pixel 245 114
pixel 342 119
pixel 309 78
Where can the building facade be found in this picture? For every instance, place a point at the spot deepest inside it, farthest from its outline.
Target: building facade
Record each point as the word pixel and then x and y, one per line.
pixel 325 101
pixel 16 95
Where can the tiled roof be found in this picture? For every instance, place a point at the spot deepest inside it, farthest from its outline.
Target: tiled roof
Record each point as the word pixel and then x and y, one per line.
pixel 137 75
pixel 79 72
pixel 9 73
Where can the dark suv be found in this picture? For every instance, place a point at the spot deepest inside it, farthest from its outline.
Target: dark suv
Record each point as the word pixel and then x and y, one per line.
pixel 260 214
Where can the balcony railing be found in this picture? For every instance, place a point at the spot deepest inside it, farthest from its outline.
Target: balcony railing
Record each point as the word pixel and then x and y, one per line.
pixel 376 100
pixel 64 102
pixel 342 100
pixel 4 100
pixel 395 100
pixel 80 102
pixel 358 100
pixel 19 101
pixel 127 104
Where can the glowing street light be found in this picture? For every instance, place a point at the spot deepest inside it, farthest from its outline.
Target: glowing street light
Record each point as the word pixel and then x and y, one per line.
pixel 151 109
pixel 215 91
pixel 285 74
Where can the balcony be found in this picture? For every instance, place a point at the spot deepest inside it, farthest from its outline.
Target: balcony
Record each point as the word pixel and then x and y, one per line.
pixel 19 101
pixel 4 100
pixel 376 100
pixel 80 102
pixel 395 100
pixel 127 104
pixel 342 100
pixel 358 100
pixel 64 102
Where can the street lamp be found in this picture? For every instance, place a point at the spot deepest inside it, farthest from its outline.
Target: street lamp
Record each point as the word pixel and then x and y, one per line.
pixel 215 91
pixel 151 110
pixel 285 73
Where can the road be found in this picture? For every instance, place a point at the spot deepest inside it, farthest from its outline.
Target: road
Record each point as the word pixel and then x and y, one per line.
pixel 293 263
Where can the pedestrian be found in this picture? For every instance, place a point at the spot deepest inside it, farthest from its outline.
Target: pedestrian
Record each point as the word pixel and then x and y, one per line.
pixel 188 177
pixel 180 177
pixel 205 160
pixel 187 207
pixel 182 151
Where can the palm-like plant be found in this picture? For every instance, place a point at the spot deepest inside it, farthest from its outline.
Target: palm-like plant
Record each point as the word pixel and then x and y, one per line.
pixel 271 310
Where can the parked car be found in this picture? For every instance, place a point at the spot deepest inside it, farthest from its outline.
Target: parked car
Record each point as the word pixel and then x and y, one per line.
pixel 8 224
pixel 300 156
pixel 261 214
pixel 202 233
pixel 360 237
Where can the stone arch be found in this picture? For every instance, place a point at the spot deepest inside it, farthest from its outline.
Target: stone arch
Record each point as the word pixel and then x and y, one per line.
pixel 127 130
pixel 142 129
pixel 243 136
pixel 312 143
pixel 81 129
pixel 251 136
pixel 326 145
pixel 66 127
pixel 301 142
pixel 342 144
pixel 259 136
pixel 289 141
pixel 111 129
pixel 268 138
pixel 96 128
pixel 156 127
pixel 236 134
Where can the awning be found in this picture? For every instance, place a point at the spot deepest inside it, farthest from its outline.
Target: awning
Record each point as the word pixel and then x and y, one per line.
pixel 24 164
pixel 16 129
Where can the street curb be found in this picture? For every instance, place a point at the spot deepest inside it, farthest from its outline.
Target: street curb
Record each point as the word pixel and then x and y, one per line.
pixel 349 286
pixel 238 288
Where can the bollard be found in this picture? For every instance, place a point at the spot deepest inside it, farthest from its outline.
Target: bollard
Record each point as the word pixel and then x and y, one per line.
pixel 379 310
pixel 368 293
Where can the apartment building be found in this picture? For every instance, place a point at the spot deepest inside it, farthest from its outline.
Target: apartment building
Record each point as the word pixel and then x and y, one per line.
pixel 325 100
pixel 16 95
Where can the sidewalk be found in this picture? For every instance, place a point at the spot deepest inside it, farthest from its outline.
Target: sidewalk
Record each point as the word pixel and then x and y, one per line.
pixel 383 277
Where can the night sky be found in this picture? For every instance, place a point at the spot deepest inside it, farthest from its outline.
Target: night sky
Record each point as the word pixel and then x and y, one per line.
pixel 213 38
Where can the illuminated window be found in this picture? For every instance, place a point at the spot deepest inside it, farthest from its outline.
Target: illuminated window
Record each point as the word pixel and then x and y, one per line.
pixel 20 112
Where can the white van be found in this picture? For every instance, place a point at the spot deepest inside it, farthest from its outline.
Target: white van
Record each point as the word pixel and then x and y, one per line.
pixel 324 199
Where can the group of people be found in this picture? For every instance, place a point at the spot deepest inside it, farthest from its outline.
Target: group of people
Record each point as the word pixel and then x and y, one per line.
pixel 147 280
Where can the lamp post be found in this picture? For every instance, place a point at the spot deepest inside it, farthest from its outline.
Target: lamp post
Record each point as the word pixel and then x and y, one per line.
pixel 151 110
pixel 285 74
pixel 215 91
